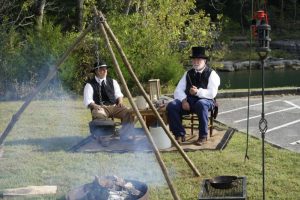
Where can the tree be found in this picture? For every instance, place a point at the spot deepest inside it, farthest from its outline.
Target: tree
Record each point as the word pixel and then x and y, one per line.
pixel 39 13
pixel 153 33
pixel 281 13
pixel 127 6
pixel 295 11
pixel 79 14
pixel 16 13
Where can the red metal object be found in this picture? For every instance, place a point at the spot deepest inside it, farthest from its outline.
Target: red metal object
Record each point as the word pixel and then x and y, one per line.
pixel 260 17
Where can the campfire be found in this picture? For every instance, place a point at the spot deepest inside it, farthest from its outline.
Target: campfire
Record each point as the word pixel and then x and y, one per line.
pixel 110 188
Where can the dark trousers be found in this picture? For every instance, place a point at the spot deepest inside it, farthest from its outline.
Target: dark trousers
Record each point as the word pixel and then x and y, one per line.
pixel 198 106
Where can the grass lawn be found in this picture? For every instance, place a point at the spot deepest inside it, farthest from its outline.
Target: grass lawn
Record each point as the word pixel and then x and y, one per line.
pixel 35 154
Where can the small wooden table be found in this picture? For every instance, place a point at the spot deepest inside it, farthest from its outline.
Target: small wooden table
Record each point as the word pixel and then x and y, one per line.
pixel 149 116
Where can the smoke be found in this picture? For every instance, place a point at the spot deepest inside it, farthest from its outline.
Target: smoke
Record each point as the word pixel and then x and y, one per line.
pixel 55 121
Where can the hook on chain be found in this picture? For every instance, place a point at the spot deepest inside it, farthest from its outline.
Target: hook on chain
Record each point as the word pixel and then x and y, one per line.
pixel 263 125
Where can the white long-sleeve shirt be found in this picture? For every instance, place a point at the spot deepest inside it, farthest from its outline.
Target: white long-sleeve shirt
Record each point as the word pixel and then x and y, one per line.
pixel 209 93
pixel 88 91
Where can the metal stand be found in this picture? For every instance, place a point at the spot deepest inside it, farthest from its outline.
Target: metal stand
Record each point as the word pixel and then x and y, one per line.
pixel 263 124
pixel 263 49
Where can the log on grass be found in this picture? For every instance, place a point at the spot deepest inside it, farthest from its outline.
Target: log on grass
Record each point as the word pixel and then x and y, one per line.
pixel 30 190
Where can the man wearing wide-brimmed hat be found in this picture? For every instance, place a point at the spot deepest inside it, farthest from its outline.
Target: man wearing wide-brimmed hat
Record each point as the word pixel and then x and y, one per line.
pixel 103 96
pixel 194 94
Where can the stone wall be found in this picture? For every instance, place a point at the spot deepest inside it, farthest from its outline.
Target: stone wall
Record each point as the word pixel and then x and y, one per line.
pixel 291 46
pixel 270 63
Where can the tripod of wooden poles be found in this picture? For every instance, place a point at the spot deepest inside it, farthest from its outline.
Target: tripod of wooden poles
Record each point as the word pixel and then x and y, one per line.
pixel 106 31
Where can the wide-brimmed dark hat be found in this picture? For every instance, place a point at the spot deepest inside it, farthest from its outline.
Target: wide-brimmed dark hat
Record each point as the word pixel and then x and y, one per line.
pixel 198 52
pixel 98 65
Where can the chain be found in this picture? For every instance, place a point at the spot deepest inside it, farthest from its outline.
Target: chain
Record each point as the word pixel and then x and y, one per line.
pixel 97 53
pixel 249 86
pixel 97 21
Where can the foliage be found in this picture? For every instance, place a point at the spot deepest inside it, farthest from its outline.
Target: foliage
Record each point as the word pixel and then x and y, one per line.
pixel 153 35
pixel 27 62
pixel 150 35
pixel 16 13
pixel 10 47
pixel 40 51
pixel 156 36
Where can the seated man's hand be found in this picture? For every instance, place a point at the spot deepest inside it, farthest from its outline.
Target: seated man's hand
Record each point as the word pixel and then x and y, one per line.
pixel 193 90
pixel 119 102
pixel 185 105
pixel 94 106
pixel 99 113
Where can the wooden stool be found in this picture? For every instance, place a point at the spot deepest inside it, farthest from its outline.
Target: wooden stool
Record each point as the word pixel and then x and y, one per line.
pixel 194 123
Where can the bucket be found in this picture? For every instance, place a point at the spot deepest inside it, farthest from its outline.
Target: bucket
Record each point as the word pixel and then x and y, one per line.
pixel 161 140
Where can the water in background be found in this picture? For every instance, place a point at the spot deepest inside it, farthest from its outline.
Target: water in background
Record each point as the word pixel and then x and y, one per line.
pixel 273 78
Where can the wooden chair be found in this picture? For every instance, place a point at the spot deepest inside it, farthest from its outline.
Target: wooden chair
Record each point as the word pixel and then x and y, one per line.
pixel 192 119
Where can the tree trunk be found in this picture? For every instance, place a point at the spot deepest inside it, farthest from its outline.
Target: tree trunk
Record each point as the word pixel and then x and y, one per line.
pixel 241 12
pixel 143 6
pixel 127 6
pixel 281 15
pixel 79 15
pixel 39 13
pixel 295 11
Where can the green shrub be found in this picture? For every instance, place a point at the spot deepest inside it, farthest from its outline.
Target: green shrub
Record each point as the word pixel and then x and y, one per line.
pixel 151 38
pixel 10 48
pixel 26 63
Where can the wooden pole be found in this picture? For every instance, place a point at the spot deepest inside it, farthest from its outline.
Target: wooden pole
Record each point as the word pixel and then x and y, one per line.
pixel 123 81
pixel 44 83
pixel 127 64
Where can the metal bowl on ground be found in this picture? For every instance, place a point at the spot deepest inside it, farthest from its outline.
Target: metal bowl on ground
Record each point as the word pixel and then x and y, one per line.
pixel 223 182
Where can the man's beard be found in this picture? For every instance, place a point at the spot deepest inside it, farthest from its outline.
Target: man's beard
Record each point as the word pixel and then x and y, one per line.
pixel 198 67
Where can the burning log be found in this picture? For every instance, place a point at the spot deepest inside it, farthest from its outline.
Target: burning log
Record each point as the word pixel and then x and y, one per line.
pixel 109 188
pixel 117 184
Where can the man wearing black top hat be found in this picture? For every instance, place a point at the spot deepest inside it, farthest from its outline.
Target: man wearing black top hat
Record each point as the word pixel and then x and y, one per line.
pixel 103 96
pixel 194 94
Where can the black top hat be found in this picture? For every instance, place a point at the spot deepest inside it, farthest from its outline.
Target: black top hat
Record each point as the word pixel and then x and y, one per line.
pixel 198 52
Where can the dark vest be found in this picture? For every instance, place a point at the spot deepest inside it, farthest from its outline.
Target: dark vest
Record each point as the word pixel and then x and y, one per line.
pixel 200 82
pixel 107 92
